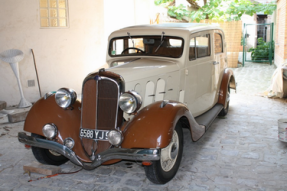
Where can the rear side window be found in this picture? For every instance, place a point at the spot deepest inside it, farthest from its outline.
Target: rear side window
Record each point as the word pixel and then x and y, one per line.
pixel 199 47
pixel 202 46
pixel 218 43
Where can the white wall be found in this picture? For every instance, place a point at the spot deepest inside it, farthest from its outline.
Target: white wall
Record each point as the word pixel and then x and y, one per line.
pixel 63 56
pixel 251 30
pixel 120 14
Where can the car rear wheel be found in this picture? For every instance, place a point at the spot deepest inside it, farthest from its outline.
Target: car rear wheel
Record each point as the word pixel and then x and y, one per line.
pixel 46 156
pixel 163 170
pixel 224 110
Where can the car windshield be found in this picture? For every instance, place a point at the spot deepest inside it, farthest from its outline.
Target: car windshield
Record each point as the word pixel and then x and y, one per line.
pixel 160 45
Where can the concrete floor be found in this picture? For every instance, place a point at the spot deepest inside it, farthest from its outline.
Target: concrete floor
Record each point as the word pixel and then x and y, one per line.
pixel 238 152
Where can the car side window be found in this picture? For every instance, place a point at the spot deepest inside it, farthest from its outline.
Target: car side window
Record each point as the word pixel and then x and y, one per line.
pixel 203 46
pixel 199 47
pixel 218 43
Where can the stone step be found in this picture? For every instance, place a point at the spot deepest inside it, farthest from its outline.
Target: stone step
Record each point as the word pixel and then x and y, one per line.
pixel 18 115
pixel 4 118
pixel 3 105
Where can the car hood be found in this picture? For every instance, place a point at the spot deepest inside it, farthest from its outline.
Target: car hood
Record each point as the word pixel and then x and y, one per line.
pixel 144 68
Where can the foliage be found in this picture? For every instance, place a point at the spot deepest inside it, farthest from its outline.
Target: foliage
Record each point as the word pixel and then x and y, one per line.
pixel 159 2
pixel 178 12
pixel 261 52
pixel 218 10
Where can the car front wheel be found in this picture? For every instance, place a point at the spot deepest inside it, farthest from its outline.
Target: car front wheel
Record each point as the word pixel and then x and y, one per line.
pixel 46 156
pixel 163 170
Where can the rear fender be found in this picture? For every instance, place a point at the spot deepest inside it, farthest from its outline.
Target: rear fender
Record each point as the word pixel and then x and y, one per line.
pixel 67 121
pixel 227 78
pixel 152 127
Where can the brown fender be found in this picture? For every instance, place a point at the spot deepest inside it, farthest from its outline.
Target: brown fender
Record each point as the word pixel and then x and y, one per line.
pixel 153 126
pixel 227 78
pixel 67 122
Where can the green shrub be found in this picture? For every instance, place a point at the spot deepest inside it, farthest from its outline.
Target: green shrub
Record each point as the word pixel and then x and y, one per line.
pixel 261 52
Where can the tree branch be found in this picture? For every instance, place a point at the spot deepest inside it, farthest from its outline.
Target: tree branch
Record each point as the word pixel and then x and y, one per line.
pixel 171 3
pixel 193 4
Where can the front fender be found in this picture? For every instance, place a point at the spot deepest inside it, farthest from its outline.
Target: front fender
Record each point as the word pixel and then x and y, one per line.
pixel 152 127
pixel 67 121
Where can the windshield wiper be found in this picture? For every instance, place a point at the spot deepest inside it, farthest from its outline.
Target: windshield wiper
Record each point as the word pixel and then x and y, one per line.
pixel 131 39
pixel 161 41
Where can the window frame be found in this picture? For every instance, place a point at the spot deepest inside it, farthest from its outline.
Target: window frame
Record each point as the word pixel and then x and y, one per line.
pixel 48 8
pixel 217 33
pixel 110 44
pixel 194 36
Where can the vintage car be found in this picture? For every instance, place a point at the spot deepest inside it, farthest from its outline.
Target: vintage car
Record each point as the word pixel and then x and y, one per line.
pixel 159 79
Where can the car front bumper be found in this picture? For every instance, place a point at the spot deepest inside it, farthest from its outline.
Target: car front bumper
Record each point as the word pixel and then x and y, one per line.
pixel 113 153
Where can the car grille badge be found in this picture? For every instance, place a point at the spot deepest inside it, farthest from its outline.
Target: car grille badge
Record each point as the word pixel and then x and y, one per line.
pixel 97 78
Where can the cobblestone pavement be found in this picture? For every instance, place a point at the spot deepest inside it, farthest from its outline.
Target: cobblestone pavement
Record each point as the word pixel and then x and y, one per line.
pixel 238 152
pixel 253 78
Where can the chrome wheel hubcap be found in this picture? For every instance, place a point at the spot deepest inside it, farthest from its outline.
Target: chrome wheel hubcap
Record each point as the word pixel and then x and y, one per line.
pixel 169 154
pixel 54 153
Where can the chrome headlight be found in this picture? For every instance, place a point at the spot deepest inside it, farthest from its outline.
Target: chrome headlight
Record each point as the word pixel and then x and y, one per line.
pixel 130 102
pixel 65 97
pixel 50 131
pixel 115 137
pixel 69 142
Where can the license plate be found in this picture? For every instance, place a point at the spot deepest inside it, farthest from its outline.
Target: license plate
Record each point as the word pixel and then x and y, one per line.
pixel 94 134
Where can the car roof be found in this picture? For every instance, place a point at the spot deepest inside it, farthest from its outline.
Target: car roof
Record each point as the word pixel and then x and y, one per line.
pixel 178 26
pixel 174 29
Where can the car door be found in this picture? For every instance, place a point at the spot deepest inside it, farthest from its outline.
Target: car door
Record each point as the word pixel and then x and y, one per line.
pixel 220 59
pixel 199 93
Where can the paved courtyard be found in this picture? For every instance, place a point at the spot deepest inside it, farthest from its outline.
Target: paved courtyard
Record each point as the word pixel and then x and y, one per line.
pixel 239 152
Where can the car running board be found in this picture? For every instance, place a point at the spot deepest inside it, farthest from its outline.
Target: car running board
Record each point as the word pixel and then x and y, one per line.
pixel 207 118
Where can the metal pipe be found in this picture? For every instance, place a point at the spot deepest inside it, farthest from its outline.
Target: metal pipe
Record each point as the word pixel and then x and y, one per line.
pixel 36 73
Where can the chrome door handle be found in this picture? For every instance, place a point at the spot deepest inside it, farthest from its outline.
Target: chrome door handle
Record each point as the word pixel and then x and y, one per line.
pixel 214 62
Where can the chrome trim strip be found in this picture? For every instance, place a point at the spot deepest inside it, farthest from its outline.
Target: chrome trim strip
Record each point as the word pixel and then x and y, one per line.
pixel 163 103
pixel 49 94
pixel 126 154
pixel 97 78
pixel 46 144
pixel 113 153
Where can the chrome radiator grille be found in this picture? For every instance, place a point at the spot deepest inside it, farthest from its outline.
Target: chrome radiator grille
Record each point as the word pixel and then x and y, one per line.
pixel 99 110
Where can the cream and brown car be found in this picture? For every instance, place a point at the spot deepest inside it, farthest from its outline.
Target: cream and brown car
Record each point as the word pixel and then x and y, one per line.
pixel 160 79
